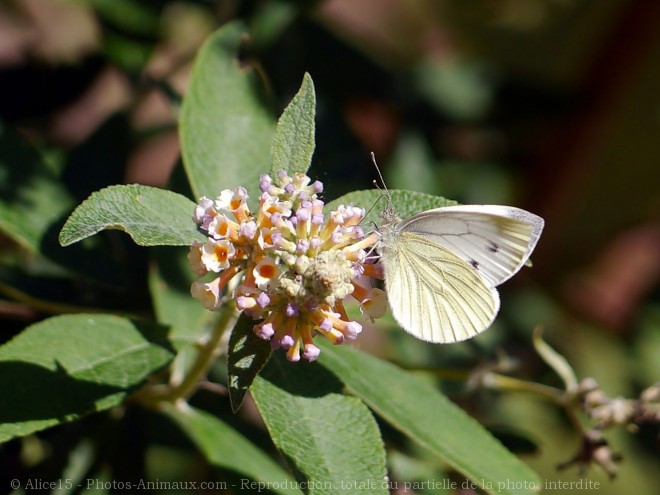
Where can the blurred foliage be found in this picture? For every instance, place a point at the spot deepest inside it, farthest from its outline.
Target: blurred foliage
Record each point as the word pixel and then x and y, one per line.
pixel 551 105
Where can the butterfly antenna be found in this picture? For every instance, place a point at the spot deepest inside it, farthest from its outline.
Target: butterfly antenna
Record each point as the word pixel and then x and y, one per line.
pixel 389 213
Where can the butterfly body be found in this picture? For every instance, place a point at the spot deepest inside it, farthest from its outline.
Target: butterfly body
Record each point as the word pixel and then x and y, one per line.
pixel 442 266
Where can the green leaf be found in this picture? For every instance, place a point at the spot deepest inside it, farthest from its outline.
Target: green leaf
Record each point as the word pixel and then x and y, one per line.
pixel 406 203
pixel 647 344
pixel 33 207
pixel 31 197
pixel 412 164
pixel 132 15
pixel 293 144
pixel 556 361
pixel 170 279
pixel 226 129
pixel 269 21
pixel 151 216
pixel 457 88
pixel 332 439
pixel 248 354
pixel 64 367
pixel 225 448
pixel 416 408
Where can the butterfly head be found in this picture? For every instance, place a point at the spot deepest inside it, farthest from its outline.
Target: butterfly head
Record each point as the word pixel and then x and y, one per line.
pixel 388 215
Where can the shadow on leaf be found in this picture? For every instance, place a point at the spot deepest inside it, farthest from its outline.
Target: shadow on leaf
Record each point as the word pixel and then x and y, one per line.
pixel 31 392
pixel 300 379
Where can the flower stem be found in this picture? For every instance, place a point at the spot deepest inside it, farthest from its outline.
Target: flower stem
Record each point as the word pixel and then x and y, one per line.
pixel 209 350
pixel 560 397
pixel 503 382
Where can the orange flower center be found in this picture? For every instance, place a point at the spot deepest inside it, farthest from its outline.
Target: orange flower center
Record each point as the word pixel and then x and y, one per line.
pixel 221 253
pixel 267 271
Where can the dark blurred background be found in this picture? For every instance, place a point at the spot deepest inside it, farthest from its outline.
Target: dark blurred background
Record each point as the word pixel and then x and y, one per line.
pixel 551 105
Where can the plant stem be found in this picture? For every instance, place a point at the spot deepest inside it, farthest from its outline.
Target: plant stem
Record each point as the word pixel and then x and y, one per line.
pixel 503 382
pixel 209 349
pixel 563 399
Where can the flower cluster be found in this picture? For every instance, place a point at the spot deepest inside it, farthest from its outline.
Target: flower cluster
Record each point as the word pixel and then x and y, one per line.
pixel 607 412
pixel 295 266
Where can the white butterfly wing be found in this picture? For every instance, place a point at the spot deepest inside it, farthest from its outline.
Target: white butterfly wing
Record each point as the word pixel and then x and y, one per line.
pixel 495 240
pixel 434 294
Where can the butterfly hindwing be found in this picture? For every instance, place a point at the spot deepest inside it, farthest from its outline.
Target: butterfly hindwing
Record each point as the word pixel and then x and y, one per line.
pixel 434 294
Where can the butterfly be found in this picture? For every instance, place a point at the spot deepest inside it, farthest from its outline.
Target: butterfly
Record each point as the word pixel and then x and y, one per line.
pixel 442 266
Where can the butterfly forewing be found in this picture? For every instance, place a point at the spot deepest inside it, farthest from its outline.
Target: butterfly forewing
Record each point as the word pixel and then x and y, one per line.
pixel 434 294
pixel 495 240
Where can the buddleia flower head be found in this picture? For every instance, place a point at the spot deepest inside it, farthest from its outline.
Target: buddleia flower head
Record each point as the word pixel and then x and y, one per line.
pixel 295 264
